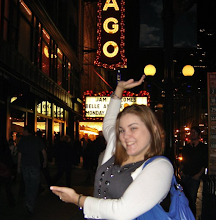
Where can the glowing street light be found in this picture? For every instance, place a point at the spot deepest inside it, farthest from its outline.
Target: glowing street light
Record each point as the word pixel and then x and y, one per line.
pixel 149 70
pixel 188 70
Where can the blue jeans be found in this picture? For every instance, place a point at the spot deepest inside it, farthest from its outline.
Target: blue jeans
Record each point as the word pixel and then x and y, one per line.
pixel 191 187
pixel 31 176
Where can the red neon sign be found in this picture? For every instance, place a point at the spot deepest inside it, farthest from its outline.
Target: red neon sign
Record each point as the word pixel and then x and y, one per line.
pixel 111 34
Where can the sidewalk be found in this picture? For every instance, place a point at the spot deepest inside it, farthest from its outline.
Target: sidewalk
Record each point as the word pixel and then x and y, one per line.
pixel 48 206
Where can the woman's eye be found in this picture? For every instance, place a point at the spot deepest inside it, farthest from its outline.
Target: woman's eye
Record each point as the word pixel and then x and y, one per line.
pixel 133 128
pixel 121 131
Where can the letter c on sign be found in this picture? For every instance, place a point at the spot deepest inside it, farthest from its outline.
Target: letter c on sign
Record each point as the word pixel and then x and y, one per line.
pixel 114 45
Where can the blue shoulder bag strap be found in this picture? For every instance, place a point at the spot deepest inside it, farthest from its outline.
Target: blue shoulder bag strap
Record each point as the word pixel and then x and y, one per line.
pixel 179 207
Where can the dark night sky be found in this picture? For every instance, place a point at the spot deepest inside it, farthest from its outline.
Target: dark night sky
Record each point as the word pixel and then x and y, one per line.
pixel 151 25
pixel 193 36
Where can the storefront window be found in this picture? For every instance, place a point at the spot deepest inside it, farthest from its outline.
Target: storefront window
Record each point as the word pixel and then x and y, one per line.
pixel 60 113
pixel 17 119
pixel 44 108
pixel 41 124
pixel 49 109
pixel 54 111
pixel 39 108
pixel 56 128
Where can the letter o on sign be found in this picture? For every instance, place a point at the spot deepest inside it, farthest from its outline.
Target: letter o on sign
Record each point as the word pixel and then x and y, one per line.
pixel 114 45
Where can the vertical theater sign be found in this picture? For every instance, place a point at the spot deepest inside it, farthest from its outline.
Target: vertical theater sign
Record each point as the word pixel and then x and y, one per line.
pixel 111 34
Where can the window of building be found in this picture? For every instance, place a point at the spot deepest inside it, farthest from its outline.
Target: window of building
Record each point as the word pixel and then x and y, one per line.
pixel 52 60
pixel 44 108
pixel 14 27
pixel 25 11
pixel 46 55
pixel 45 58
pixel 58 112
pixel 24 38
pixel 4 15
pixel 68 78
pixel 35 40
pixel 59 67
pixel 25 30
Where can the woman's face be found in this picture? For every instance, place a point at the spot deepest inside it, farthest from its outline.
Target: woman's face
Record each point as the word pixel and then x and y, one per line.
pixel 134 136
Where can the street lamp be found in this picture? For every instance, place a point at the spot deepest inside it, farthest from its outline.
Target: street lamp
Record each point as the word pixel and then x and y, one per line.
pixel 149 70
pixel 188 70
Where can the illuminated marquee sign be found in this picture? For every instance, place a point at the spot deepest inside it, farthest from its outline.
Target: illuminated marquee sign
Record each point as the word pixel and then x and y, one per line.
pixel 111 34
pixel 95 107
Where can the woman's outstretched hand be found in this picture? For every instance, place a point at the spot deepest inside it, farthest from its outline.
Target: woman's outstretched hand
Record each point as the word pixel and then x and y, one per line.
pixel 129 84
pixel 65 194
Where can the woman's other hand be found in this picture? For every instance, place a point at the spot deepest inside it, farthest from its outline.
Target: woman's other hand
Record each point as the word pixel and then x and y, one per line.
pixel 65 194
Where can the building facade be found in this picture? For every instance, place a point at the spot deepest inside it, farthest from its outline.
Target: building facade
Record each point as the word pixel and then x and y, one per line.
pixel 40 67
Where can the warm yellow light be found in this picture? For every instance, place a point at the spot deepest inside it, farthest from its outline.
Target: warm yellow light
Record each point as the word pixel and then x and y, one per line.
pixel 13 99
pixel 111 4
pixel 46 51
pixel 46 34
pixel 115 26
pixel 180 158
pixel 26 8
pixel 149 70
pixel 114 45
pixel 188 70
pixel 89 132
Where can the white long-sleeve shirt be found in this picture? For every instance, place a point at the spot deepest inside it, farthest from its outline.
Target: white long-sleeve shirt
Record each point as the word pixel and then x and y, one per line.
pixel 149 187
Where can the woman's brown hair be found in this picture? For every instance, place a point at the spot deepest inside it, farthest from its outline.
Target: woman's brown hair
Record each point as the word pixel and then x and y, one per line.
pixel 152 124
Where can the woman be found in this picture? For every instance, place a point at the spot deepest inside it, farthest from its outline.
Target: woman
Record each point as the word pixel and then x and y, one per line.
pixel 123 189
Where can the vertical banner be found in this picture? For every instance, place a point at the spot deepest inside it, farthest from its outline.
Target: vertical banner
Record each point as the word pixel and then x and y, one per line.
pixel 212 122
pixel 111 34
